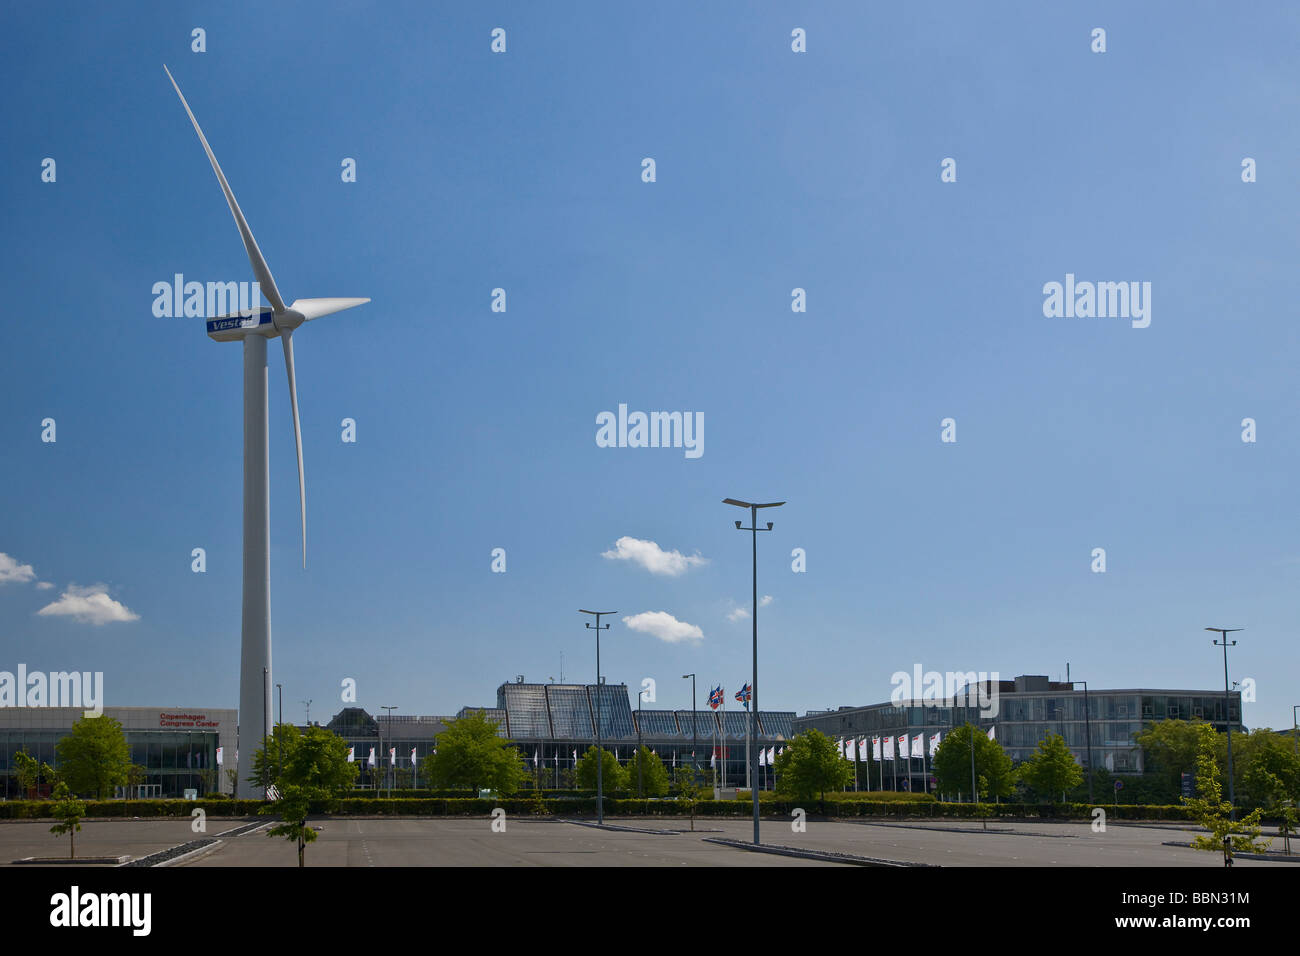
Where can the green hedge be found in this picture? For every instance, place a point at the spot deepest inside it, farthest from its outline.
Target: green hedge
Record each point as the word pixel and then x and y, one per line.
pixel 586 806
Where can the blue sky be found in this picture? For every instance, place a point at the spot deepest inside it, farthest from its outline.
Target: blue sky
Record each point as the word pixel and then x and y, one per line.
pixel 476 430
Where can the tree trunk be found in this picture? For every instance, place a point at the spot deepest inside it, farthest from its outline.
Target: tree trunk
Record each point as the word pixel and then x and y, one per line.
pixel 72 853
pixel 300 852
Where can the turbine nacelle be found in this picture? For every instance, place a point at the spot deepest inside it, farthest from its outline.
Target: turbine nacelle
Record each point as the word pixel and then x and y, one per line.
pixel 265 321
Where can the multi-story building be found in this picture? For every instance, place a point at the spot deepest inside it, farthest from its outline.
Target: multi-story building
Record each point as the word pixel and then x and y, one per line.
pixel 1021 713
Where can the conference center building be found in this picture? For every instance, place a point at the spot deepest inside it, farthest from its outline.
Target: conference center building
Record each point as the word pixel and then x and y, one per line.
pixel 177 747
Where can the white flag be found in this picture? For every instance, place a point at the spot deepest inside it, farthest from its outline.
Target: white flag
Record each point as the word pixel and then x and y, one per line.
pixel 991 737
pixel 771 756
pixel 534 758
pixel 372 756
pixel 1110 762
pixel 934 744
pixel 889 748
pixel 918 745
pixel 219 749
pixel 862 749
pixel 902 747
pixel 412 756
pixel 392 755
pixel 875 749
pixel 713 757
pixel 575 757
pixel 352 754
pixel 853 749
pixel 762 757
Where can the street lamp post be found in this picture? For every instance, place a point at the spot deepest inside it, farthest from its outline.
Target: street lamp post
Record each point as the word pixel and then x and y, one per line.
pixel 1087 732
pixel 279 750
pixel 640 777
pixel 694 733
pixel 1295 727
pixel 600 754
pixel 753 705
pixel 1227 710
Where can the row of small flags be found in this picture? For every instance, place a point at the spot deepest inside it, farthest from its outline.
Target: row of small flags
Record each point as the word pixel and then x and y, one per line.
pixel 882 748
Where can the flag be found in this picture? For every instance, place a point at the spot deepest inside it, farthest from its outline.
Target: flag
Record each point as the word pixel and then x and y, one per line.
pixel 889 748
pixel 534 757
pixel 412 756
pixel 713 758
pixel 744 694
pixel 371 762
pixel 934 744
pixel 902 747
pixel 853 749
pixel 219 749
pixel 352 755
pixel 715 697
pixel 392 755
pixel 875 749
pixel 991 729
pixel 862 749
pixel 762 757
pixel 918 745
pixel 1110 762
pixel 771 756
pixel 575 757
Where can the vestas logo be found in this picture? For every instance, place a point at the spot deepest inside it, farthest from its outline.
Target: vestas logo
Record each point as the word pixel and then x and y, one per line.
pixel 237 322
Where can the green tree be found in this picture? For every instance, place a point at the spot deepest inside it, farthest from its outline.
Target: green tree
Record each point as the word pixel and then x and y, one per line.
pixel 1267 768
pixel 1212 812
pixel 612 774
pixel 135 775
pixel 316 769
pixel 28 770
pixel 293 808
pixel 269 760
pixel 1052 769
pixel 1170 748
pixel 951 764
pixel 94 757
pixel 646 773
pixel 688 785
pixel 68 811
pixel 811 765
pixel 471 755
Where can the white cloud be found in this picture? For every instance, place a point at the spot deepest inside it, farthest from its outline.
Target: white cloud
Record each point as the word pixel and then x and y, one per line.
pixel 764 601
pixel 664 626
pixel 11 572
pixel 89 605
pixel 652 557
pixel 738 614
pixel 43 585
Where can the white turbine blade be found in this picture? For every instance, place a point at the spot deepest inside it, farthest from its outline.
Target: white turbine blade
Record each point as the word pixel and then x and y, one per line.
pixel 286 339
pixel 315 308
pixel 255 258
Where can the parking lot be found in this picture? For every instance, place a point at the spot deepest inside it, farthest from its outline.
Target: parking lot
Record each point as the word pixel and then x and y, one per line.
pixel 527 841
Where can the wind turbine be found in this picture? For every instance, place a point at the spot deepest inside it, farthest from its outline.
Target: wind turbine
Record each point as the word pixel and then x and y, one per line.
pixel 254 327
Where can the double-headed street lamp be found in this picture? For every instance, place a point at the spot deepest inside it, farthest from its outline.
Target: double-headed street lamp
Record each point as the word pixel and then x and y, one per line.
pixel 1227 710
pixel 600 754
pixel 753 705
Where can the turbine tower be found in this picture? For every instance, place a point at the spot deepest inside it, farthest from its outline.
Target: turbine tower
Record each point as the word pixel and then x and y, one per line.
pixel 254 327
